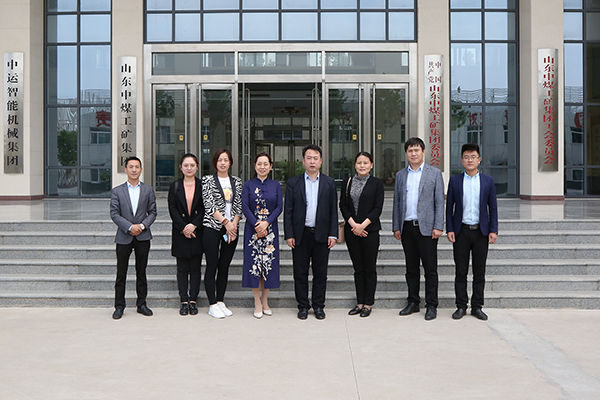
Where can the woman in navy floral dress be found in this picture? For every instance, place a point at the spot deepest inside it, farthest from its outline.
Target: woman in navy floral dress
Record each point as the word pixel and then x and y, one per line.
pixel 262 202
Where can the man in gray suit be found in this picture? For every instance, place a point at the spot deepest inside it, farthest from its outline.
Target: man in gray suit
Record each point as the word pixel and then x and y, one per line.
pixel 133 209
pixel 418 220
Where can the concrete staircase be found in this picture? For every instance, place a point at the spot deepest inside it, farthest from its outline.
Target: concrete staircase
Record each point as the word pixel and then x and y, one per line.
pixel 545 264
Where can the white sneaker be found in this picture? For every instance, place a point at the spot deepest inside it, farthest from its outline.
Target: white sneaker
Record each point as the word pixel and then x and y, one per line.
pixel 226 311
pixel 215 311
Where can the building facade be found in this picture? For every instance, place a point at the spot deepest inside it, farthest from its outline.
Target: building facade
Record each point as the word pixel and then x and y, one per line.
pixel 101 80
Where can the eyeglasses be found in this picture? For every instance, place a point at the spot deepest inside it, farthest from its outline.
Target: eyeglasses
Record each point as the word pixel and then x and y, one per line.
pixel 467 158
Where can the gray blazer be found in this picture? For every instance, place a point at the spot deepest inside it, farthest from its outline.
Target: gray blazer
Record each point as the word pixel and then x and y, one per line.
pixel 122 214
pixel 430 207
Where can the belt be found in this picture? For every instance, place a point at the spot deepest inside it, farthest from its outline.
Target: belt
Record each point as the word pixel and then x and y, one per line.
pixel 310 229
pixel 413 222
pixel 472 227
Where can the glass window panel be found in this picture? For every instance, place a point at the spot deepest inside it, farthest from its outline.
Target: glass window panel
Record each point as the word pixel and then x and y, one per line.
pixel 61 182
pixel 61 74
pixel 505 180
pixel 592 26
pixel 337 4
pixel 367 63
pixel 592 4
pixel 593 182
pixel 95 182
pixel 62 5
pixel 573 26
pixel 95 137
pixel 372 26
pixel 187 4
pixel 500 70
pixel 465 26
pixel 593 72
pixel 344 124
pixel 260 26
pixel 394 4
pixel 192 63
pixel 61 137
pixel 402 26
pixel 95 5
pixel 500 4
pixel 299 26
pixel 95 74
pixel 574 181
pixel 573 72
pixel 499 141
pixel 366 4
pixel 187 27
pixel 574 135
pixel 221 27
pixel 338 26
pixel 221 4
pixel 465 3
pixel 572 4
pixel 260 4
pixel 280 63
pixel 62 28
pixel 499 26
pixel 592 129
pixel 159 27
pixel 95 28
pixel 299 4
pixel 466 124
pixel 465 72
pixel 215 123
pixel 159 5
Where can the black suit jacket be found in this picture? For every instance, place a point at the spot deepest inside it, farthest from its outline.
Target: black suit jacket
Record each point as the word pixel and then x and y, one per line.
pixel 178 209
pixel 294 217
pixel 370 203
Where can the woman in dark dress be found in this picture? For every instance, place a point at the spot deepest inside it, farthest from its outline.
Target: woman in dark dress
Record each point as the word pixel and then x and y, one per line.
pixel 187 211
pixel 262 202
pixel 361 202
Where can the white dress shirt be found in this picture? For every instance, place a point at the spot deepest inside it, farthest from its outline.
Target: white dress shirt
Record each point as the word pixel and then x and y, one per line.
pixel 471 187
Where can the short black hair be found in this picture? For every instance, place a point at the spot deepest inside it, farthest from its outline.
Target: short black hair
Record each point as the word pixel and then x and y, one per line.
pixel 188 155
pixel 470 147
pixel 312 147
pixel 218 154
pixel 364 153
pixel 414 141
pixel 263 154
pixel 132 158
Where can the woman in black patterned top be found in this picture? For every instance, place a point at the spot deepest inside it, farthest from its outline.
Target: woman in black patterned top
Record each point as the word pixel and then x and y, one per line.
pixel 222 195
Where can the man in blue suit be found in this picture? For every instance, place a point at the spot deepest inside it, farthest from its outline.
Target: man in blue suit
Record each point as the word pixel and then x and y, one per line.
pixel 472 224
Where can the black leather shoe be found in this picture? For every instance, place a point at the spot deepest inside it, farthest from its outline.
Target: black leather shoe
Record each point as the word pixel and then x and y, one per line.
pixel 355 310
pixel 303 313
pixel 479 314
pixel 144 310
pixel 319 313
pixel 459 313
pixel 118 313
pixel 365 312
pixel 409 309
pixel 431 313
pixel 184 309
pixel 193 308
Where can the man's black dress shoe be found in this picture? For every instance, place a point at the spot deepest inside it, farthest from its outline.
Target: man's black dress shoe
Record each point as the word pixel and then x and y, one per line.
pixel 193 308
pixel 303 313
pixel 319 313
pixel 184 309
pixel 409 309
pixel 459 313
pixel 144 310
pixel 431 313
pixel 118 313
pixel 365 312
pixel 355 310
pixel 479 314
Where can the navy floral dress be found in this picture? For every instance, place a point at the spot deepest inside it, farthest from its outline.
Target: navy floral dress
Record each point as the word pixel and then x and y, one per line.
pixel 261 201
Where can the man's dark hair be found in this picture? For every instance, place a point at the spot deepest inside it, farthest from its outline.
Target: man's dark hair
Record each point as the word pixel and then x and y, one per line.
pixel 132 158
pixel 312 147
pixel 470 147
pixel 414 141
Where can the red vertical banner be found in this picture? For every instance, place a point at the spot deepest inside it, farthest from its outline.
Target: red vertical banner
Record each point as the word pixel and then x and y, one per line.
pixel 434 110
pixel 547 110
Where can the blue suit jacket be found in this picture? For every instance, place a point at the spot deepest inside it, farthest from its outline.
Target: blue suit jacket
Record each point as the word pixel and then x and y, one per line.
pixel 488 206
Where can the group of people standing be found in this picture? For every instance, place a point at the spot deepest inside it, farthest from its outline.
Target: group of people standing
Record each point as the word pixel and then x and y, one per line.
pixel 206 213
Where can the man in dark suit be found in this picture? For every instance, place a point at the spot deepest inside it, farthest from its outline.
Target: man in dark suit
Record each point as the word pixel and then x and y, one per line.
pixel 418 220
pixel 133 209
pixel 472 224
pixel 311 228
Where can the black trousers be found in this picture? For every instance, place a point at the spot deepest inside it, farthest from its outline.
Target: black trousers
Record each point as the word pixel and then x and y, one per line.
pixel 141 248
pixel 420 249
pixel 468 242
pixel 363 252
pixel 188 267
pixel 218 254
pixel 309 250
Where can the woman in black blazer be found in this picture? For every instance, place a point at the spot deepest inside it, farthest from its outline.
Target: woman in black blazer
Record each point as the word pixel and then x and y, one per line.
pixel 187 211
pixel 361 202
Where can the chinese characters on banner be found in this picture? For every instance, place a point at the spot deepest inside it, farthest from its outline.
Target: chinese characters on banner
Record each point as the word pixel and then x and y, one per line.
pixel 13 113
pixel 547 110
pixel 434 110
pixel 126 115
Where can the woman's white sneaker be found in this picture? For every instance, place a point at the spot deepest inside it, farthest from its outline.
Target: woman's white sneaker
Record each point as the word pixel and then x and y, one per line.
pixel 226 311
pixel 215 311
